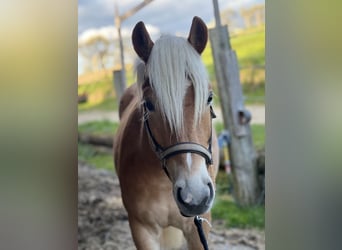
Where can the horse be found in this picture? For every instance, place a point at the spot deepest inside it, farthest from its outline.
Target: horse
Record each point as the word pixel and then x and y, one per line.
pixel 165 149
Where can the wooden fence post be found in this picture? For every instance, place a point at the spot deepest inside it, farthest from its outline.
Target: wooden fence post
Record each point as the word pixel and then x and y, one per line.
pixel 119 84
pixel 236 118
pixel 119 76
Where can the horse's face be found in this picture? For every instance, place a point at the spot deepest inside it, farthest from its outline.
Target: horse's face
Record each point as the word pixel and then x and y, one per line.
pixel 190 173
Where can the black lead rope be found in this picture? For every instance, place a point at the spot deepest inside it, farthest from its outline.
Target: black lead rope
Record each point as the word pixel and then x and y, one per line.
pixel 198 223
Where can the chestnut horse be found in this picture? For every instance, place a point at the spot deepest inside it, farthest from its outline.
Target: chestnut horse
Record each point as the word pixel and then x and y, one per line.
pixel 166 153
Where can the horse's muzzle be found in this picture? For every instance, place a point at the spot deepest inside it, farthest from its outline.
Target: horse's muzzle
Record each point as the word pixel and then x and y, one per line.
pixel 191 204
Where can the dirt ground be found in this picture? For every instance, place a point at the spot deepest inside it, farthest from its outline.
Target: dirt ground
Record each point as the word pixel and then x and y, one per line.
pixel 103 224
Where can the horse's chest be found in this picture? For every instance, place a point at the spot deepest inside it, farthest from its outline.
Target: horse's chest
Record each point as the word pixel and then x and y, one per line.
pixel 149 199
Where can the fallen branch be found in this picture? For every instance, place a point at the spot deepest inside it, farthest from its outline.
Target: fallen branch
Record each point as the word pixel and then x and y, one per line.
pixel 98 140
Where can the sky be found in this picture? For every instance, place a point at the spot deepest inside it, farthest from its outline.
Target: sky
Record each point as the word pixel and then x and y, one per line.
pixel 160 16
pixel 170 16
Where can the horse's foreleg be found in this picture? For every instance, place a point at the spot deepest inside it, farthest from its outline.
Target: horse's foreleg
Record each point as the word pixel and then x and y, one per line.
pixel 145 237
pixel 191 235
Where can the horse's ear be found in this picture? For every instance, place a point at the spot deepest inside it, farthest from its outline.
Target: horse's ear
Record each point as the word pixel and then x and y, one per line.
pixel 198 35
pixel 142 42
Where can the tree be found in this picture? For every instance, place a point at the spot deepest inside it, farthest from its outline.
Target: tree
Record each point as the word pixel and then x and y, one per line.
pixel 95 49
pixel 230 17
pixel 253 16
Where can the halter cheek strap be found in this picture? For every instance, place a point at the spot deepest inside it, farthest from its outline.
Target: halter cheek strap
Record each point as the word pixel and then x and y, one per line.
pixel 179 148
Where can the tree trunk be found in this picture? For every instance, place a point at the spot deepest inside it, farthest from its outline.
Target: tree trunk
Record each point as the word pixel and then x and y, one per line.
pixel 236 118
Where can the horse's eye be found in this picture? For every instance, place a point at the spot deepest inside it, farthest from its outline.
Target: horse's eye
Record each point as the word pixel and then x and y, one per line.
pixel 149 105
pixel 210 98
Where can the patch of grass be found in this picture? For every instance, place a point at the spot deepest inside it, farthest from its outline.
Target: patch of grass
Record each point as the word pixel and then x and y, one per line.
pixel 227 210
pixel 258 133
pixel 88 154
pixel 109 128
pixel 254 94
pixel 249 46
pixel 238 217
pixel 108 104
pixel 99 127
pixel 208 61
pixel 224 183
pixel 101 93
pixel 250 49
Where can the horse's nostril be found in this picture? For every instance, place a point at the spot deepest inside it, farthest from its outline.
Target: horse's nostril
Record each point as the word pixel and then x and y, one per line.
pixel 211 190
pixel 186 198
pixel 179 196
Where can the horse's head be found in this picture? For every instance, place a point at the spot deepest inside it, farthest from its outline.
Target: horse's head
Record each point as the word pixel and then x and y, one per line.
pixel 177 106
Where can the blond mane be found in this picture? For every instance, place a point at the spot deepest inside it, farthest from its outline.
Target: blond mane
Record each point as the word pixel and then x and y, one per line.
pixel 172 67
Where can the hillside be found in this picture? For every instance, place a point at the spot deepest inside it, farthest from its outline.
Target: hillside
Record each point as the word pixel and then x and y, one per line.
pixel 250 49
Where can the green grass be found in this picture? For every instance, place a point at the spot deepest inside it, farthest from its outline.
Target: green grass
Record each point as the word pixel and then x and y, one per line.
pixel 101 94
pixel 250 50
pixel 108 104
pixel 258 133
pixel 99 127
pixel 238 217
pixel 109 128
pixel 224 207
pixel 250 47
pixel 227 210
pixel 254 94
pixel 89 155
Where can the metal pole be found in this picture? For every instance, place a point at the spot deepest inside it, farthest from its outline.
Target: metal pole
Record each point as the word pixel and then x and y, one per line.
pixel 132 11
pixel 217 14
pixel 222 35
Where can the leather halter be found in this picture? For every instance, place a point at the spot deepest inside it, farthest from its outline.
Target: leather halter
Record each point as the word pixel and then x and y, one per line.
pixel 179 148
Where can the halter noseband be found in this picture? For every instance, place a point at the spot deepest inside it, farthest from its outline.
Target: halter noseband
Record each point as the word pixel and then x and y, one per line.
pixel 179 148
